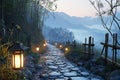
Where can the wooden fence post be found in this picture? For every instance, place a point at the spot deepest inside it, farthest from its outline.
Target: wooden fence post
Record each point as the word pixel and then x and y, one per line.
pixel 92 45
pixel 89 46
pixel 114 56
pixel 114 49
pixel 85 44
pixel 106 47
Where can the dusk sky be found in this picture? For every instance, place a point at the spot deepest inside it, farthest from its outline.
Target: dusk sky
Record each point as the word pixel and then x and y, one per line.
pixel 79 8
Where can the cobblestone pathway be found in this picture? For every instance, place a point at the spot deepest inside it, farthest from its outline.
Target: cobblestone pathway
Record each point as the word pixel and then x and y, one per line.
pixel 57 67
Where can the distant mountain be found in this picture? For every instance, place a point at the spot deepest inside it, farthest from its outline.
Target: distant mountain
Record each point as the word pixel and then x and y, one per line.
pixel 60 19
pixel 81 26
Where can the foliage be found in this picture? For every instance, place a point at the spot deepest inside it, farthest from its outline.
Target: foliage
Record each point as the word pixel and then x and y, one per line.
pixel 28 14
pixel 35 57
pixel 59 35
pixel 20 20
pixel 76 54
pixel 6 72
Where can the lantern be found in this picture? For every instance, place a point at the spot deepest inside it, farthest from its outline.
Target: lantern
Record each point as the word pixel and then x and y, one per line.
pixel 61 46
pixel 44 44
pixel 17 56
pixel 66 49
pixel 37 49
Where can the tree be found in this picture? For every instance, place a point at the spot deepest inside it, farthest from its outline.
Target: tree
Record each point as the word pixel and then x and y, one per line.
pixel 27 16
pixel 60 35
pixel 108 12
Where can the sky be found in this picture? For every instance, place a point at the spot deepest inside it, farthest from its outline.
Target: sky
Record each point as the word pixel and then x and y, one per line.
pixel 78 8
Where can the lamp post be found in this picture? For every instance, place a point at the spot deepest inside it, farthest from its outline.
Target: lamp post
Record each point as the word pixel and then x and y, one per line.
pixel 17 51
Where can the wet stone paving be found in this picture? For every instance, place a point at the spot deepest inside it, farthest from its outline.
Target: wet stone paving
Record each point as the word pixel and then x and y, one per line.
pixel 57 67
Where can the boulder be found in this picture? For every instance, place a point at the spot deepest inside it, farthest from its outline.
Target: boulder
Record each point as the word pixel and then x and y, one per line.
pixel 115 75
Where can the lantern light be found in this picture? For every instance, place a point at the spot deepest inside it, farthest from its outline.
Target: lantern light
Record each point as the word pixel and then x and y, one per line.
pixel 66 49
pixel 44 44
pixel 61 46
pixel 17 55
pixel 37 49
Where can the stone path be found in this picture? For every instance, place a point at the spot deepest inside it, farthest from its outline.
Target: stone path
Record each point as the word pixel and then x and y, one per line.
pixel 57 67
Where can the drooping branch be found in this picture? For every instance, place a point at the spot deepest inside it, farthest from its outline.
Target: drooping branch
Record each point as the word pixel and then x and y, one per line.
pixel 108 11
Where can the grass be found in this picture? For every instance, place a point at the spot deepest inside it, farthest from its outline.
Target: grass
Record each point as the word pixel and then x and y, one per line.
pixel 118 60
pixel 77 54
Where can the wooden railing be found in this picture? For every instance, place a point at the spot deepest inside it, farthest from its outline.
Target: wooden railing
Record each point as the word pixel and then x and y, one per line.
pixel 88 47
pixel 114 47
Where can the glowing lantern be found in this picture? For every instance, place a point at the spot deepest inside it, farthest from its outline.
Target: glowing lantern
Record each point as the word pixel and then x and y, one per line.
pixel 66 49
pixel 37 49
pixel 44 44
pixel 18 59
pixel 17 56
pixel 61 46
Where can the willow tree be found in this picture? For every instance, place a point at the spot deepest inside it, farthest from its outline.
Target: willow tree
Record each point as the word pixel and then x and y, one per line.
pixel 109 13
